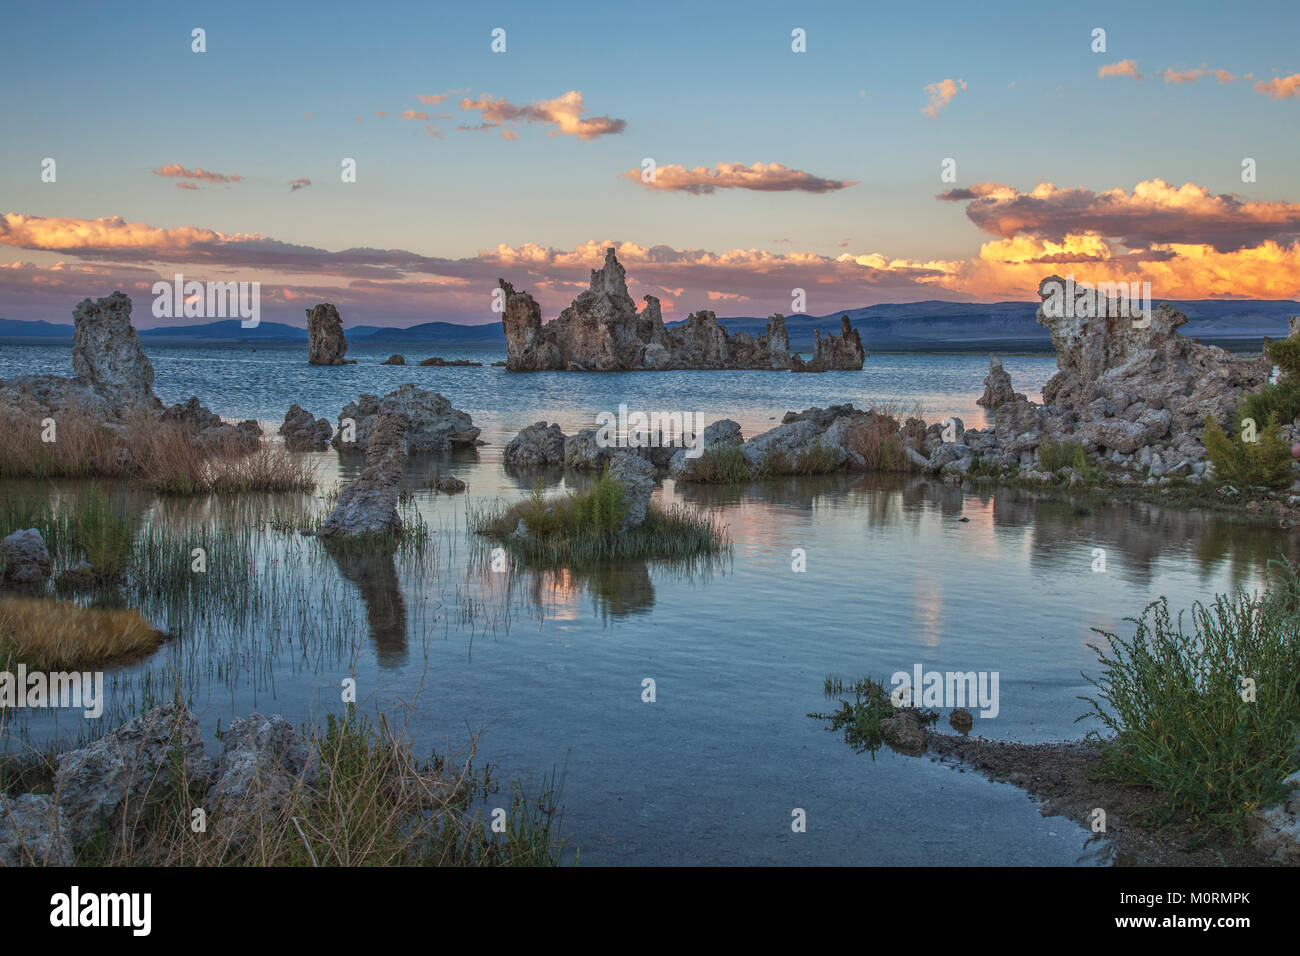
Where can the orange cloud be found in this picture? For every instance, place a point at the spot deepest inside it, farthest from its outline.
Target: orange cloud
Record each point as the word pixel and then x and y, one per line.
pixel 296 184
pixel 414 115
pixel 563 112
pixel 1154 212
pixel 941 95
pixel 760 177
pixel 1122 68
pixel 1280 87
pixel 173 170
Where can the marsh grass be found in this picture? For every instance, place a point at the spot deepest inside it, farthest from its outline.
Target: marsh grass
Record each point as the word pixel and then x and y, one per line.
pixel 858 718
pixel 1055 455
pixel 160 454
pixel 721 464
pixel 1172 697
pixel 370 802
pixel 815 459
pixel 582 528
pixel 879 445
pixel 58 635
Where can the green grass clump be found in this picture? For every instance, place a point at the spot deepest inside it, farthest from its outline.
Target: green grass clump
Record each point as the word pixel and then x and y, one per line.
pixel 859 719
pixel 721 464
pixel 1264 462
pixel 1055 455
pixel 583 528
pixel 816 459
pixel 1172 696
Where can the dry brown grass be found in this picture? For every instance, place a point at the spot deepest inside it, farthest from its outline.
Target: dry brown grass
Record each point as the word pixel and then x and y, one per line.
pixel 160 454
pixel 880 446
pixel 55 635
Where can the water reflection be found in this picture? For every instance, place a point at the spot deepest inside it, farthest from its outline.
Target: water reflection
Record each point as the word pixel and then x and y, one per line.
pixel 374 572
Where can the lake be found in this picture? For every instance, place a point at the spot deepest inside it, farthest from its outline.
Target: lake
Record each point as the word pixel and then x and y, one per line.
pixel 547 669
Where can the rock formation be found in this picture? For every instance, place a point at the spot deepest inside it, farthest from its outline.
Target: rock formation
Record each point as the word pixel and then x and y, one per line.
pixel 113 377
pixel 1143 362
pixel 368 506
pixel 997 386
pixel 843 352
pixel 325 342
pixel 434 425
pixel 207 430
pixel 602 331
pixel 438 361
pixel 394 360
pixel 24 558
pixel 537 444
pixel 637 476
pixel 302 432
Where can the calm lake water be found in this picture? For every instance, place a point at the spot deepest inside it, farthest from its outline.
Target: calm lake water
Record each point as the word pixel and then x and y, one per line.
pixel 548 667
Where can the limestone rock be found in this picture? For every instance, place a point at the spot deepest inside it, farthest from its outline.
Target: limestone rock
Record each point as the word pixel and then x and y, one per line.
pixel 637 477
pixel 843 352
pixel 106 352
pixel 263 761
pixel 33 830
pixel 368 506
pixel 434 425
pixel 116 778
pixel 302 432
pixel 24 559
pixel 602 331
pixel 538 444
pixel 722 432
pixel 326 344
pixel 997 386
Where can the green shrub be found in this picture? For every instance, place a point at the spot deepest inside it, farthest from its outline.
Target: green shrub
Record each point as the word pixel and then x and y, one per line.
pixel 1264 462
pixel 1285 354
pixel 1055 455
pixel 1281 400
pixel 722 464
pixel 1172 698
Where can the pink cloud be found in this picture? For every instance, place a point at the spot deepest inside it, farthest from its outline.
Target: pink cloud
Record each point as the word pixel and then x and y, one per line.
pixel 1122 68
pixel 760 177
pixel 941 95
pixel 1280 87
pixel 564 112
pixel 175 170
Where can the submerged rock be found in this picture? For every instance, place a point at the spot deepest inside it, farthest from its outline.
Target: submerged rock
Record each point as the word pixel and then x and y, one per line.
pixel 602 331
pixel 24 558
pixel 368 506
pixel 997 386
pixel 302 432
pixel 637 476
pixel 904 732
pixel 326 344
pixel 433 424
pixel 538 444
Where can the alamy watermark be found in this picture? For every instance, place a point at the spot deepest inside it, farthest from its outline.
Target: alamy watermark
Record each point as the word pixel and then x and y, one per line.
pixel 924 688
pixel 208 300
pixel 62 689
pixel 653 430
pixel 1122 300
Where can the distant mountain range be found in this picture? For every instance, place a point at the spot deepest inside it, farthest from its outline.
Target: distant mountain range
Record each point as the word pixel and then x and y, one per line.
pixel 922 326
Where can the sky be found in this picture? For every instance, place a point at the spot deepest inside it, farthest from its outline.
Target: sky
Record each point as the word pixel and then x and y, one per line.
pixel 909 151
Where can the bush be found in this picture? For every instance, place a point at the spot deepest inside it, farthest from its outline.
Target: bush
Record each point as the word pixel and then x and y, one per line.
pixel 722 464
pixel 1173 700
pixel 1281 401
pixel 1264 462
pixel 879 445
pixel 1055 455
pixel 584 528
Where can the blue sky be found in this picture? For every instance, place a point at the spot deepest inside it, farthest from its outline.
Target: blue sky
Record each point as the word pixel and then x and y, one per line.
pixel 115 92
